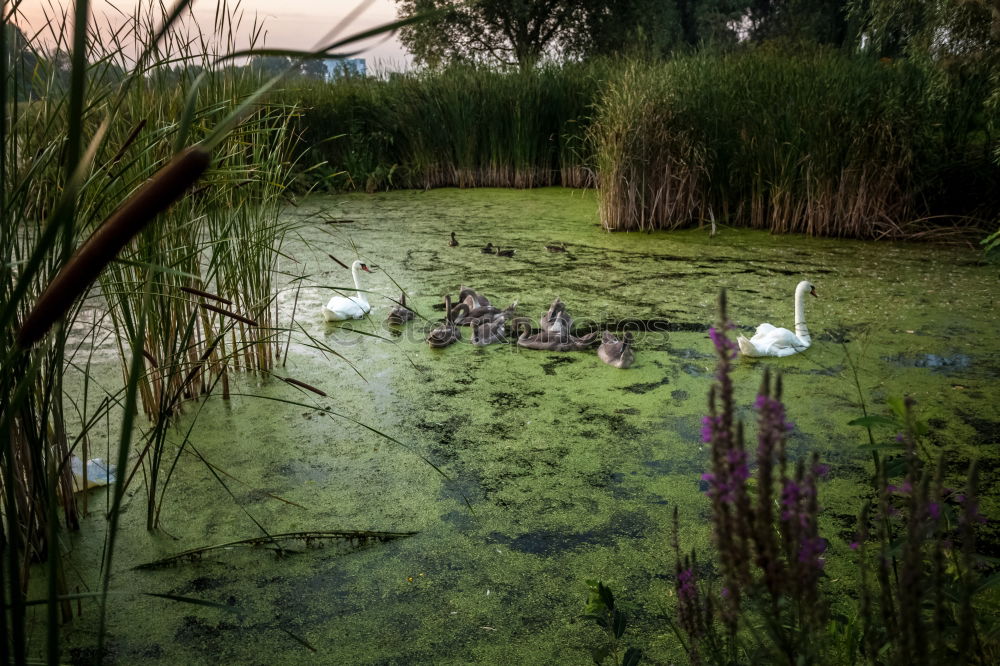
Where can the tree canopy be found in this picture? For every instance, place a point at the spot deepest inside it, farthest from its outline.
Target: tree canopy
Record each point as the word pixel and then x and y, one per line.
pixel 525 31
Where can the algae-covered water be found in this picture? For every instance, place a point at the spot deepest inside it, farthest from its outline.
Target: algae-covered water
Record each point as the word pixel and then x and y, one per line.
pixel 522 473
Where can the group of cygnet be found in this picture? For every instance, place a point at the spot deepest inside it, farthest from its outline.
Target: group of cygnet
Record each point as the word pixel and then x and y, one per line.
pixel 489 325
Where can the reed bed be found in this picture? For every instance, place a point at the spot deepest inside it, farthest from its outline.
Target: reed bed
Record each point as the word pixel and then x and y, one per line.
pixel 819 143
pixel 91 154
pixel 463 126
pixel 808 140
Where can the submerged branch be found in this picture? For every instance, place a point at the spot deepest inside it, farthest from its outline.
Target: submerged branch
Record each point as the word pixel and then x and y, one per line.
pixel 361 536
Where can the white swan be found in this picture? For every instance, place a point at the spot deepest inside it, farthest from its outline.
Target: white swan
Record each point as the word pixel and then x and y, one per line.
pixel 771 341
pixel 349 307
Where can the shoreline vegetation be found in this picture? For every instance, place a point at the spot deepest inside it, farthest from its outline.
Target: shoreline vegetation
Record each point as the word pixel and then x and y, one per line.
pixel 787 137
pixel 792 138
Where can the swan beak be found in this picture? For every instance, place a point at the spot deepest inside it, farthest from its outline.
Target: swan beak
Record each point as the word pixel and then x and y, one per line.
pixel 813 292
pixel 365 268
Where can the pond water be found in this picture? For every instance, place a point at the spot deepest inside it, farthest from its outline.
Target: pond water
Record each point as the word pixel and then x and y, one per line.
pixel 522 473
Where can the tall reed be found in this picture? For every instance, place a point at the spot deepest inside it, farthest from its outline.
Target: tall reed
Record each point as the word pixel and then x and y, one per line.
pixel 819 143
pixel 463 126
pixel 102 131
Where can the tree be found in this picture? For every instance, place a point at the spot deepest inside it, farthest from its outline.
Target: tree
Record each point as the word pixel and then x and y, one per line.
pixel 500 31
pixel 820 21
pixel 525 31
pixel 21 63
pixel 652 27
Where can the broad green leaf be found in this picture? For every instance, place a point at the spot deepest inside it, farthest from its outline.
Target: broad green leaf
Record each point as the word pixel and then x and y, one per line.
pixel 874 419
pixel 619 623
pixel 632 657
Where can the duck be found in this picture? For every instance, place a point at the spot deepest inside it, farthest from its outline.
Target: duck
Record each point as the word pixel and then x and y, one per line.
pixel 446 332
pixel 771 341
pixel 556 248
pixel 505 253
pixel 400 314
pixel 615 352
pixel 453 242
pixel 489 249
pixel 548 342
pixel 349 307
pixel 556 321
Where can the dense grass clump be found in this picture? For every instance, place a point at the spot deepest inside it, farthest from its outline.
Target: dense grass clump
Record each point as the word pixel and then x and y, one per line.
pixel 463 126
pixel 819 143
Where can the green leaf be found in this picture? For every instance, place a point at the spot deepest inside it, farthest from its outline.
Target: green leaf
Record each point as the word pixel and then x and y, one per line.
pixel 987 583
pixel 600 654
pixel 898 406
pixel 596 605
pixel 619 623
pixel 632 657
pixel 606 596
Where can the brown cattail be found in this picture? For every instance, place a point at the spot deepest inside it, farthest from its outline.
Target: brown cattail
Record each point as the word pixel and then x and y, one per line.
pixel 133 135
pixel 296 382
pixel 205 294
pixel 149 357
pixel 227 313
pixel 339 261
pixel 107 241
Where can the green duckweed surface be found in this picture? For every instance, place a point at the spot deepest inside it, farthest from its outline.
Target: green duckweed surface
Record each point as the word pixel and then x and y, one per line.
pixel 554 468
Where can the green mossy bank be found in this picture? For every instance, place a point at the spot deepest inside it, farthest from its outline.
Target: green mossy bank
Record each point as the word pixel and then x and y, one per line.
pixel 559 468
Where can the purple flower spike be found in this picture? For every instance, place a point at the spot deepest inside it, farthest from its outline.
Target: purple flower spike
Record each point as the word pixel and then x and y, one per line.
pixel 934 509
pixel 855 545
pixel 707 429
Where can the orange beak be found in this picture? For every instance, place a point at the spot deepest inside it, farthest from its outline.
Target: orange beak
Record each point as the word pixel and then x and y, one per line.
pixel 813 292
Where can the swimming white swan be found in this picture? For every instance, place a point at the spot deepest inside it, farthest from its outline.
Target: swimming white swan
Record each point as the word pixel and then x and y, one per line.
pixel 349 307
pixel 771 341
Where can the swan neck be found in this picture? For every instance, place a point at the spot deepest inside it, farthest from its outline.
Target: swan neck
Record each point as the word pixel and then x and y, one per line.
pixel 355 273
pixel 801 331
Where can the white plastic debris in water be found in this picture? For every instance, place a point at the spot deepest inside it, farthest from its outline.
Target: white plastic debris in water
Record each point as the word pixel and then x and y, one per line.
pixel 99 473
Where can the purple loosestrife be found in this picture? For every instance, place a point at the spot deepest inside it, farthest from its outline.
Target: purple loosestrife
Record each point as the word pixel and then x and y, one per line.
pixel 761 547
pixel 771 430
pixel 731 510
pixel 693 614
pixel 924 591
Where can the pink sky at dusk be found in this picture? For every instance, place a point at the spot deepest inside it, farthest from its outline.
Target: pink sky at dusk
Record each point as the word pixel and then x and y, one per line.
pixel 296 24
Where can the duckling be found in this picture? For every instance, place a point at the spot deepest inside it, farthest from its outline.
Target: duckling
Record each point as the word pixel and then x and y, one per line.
pixel 446 332
pixel 400 314
pixel 505 253
pixel 489 331
pixel 453 242
pixel 472 298
pixel 489 249
pixel 615 352
pixel 556 248
pixel 548 342
pixel 485 313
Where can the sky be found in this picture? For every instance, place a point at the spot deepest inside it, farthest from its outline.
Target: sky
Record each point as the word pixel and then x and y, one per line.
pixel 288 23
